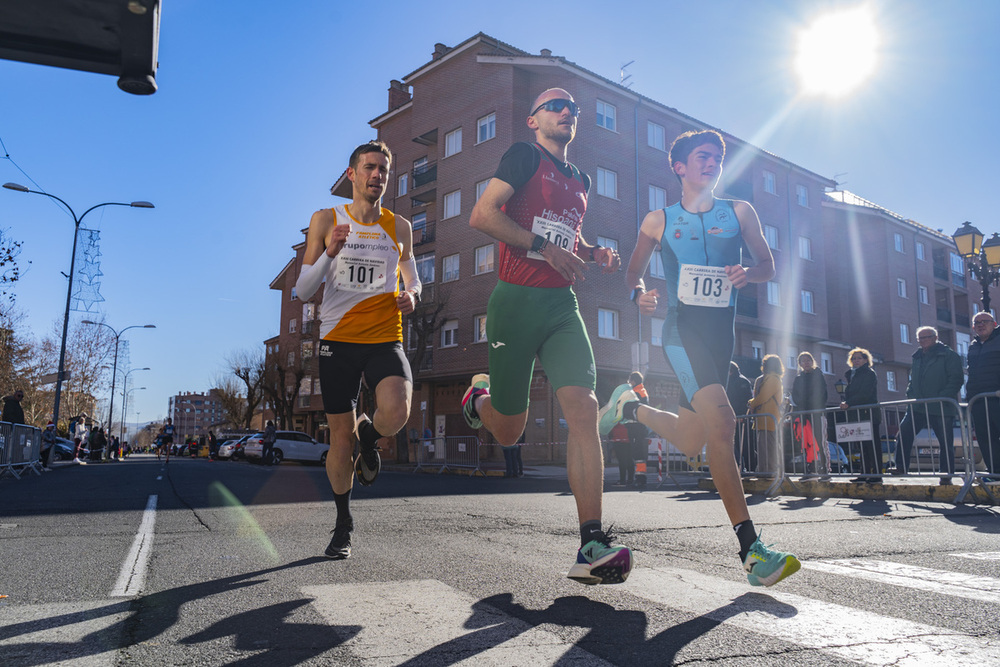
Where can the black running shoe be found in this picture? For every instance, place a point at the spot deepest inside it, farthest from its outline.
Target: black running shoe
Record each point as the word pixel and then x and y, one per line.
pixel 340 545
pixel 368 465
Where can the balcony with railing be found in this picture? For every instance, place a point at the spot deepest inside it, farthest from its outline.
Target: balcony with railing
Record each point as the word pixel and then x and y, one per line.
pixel 423 233
pixel 424 174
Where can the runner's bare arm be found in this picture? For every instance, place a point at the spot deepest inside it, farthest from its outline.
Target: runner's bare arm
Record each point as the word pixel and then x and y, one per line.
pixel 406 301
pixel 488 217
pixel 649 234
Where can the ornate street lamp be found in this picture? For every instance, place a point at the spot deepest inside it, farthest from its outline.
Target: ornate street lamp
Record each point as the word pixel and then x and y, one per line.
pixel 69 290
pixel 981 259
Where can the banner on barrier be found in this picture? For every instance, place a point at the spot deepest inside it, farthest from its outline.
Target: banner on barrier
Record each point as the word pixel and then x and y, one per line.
pixel 855 432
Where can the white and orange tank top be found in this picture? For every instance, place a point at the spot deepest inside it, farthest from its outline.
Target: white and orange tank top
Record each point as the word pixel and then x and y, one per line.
pixel 359 299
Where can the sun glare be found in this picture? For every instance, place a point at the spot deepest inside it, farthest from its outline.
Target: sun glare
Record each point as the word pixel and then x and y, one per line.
pixel 837 52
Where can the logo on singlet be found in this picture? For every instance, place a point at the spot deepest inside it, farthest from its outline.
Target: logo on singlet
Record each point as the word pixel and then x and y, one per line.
pixel 497 344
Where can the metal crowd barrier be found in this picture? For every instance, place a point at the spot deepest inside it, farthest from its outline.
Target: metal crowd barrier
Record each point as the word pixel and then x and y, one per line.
pixel 20 447
pixel 450 453
pixel 982 427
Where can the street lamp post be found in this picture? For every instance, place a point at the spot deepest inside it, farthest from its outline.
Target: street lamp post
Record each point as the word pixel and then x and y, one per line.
pixel 69 290
pixel 125 393
pixel 981 259
pixel 114 368
pixel 121 435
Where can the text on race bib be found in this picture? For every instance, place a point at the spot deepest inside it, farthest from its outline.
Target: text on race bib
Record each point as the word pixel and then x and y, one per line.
pixel 704 286
pixel 361 274
pixel 558 233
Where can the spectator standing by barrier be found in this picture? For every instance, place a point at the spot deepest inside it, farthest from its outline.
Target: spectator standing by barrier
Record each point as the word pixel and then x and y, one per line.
pixel 809 392
pixel 622 449
pixel 739 391
pixel 48 442
pixel 862 389
pixel 936 373
pixel 984 376
pixel 638 435
pixel 13 413
pixel 768 395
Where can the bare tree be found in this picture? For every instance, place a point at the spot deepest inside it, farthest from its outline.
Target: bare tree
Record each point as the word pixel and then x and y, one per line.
pixel 424 322
pixel 89 354
pixel 10 272
pixel 247 366
pixel 233 398
pixel 281 387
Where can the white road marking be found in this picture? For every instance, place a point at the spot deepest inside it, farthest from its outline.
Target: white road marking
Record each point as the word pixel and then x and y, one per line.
pixel 942 582
pixel 852 634
pixel 986 555
pixel 389 623
pixel 133 572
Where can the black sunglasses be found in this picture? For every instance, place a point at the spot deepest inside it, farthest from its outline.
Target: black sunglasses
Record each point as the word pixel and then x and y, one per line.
pixel 557 106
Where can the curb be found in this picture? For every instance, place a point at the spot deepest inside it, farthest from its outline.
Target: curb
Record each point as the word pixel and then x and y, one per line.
pixel 936 493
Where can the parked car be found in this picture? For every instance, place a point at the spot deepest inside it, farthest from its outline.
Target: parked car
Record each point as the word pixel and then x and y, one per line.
pixel 232 449
pixel 66 450
pixel 288 445
pixel 926 456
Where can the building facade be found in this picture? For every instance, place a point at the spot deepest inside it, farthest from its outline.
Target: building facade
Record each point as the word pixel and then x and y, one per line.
pixel 448 124
pixel 194 414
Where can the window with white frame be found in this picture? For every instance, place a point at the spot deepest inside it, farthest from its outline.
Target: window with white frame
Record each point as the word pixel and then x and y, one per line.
pixel 656 136
pixel 826 363
pixel 924 294
pixel 607 115
pixel 479 329
pixel 449 333
pixel 449 268
pixel 294 294
pixel 481 188
pixel 656 331
pixel 453 142
pixel 607 323
pixel 805 247
pixel 957 265
pixel 771 236
pixel 901 287
pixel 484 259
pixel 802 196
pixel 890 380
pixel 897 241
pixel 791 358
pixel 773 293
pixel 904 333
pixel 918 250
pixel 770 182
pixel 292 325
pixel 607 183
pixel 657 198
pixel 425 268
pixel 757 349
pixel 308 312
pixel 656 269
pixel 452 204
pixel 403 185
pixel 807 303
pixel 608 242
pixel 486 128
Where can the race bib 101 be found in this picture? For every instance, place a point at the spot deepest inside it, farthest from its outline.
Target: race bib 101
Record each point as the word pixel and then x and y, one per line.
pixel 361 274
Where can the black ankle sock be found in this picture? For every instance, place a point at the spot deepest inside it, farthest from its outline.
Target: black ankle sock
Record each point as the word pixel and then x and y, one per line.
pixel 747 535
pixel 590 530
pixel 628 410
pixel 343 503
pixel 367 433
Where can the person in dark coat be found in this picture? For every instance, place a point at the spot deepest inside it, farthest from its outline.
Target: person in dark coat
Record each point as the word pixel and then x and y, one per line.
pixel 739 390
pixel 13 413
pixel 862 389
pixel 936 373
pixel 809 392
pixel 984 376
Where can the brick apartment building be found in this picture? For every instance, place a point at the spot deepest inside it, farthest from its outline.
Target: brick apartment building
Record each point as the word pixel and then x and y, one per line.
pixel 449 122
pixel 195 414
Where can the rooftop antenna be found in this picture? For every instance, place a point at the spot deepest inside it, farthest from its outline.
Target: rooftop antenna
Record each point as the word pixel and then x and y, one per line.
pixel 623 76
pixel 836 179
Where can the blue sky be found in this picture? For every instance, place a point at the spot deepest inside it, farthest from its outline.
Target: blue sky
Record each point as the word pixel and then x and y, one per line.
pixel 259 104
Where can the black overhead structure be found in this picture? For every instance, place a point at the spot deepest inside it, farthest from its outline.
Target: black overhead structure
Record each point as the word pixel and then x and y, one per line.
pixel 117 37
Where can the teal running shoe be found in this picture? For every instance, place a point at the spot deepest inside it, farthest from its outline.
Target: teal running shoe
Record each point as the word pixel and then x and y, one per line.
pixel 480 386
pixel 765 567
pixel 597 562
pixel 611 413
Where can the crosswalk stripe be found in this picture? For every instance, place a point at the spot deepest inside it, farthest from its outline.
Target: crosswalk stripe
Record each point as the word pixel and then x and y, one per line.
pixel 853 634
pixel 388 623
pixel 958 584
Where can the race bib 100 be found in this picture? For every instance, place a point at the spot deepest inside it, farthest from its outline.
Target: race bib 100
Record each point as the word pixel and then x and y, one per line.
pixel 704 286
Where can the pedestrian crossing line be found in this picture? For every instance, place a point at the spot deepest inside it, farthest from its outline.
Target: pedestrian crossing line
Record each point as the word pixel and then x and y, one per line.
pixel 942 582
pixel 848 633
pixel 985 555
pixel 388 623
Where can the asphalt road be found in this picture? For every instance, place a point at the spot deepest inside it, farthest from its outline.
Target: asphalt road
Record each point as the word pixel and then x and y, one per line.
pixel 216 563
